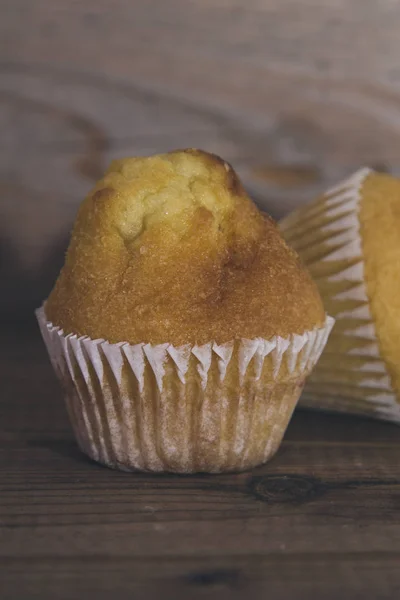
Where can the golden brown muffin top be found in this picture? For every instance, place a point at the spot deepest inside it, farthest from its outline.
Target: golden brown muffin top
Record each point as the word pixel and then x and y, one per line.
pixel 171 249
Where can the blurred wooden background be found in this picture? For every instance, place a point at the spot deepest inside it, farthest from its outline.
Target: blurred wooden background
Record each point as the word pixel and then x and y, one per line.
pixel 295 93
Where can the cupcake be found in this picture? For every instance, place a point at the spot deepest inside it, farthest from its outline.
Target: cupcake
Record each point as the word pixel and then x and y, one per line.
pixel 182 326
pixel 350 241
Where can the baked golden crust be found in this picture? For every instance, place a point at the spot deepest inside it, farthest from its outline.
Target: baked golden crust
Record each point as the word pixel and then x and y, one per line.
pixel 171 249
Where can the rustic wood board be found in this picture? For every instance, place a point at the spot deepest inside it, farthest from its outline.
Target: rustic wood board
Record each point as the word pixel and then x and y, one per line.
pixel 322 519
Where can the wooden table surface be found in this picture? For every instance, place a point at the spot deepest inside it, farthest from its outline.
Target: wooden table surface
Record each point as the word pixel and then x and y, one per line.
pixel 296 94
pixel 321 520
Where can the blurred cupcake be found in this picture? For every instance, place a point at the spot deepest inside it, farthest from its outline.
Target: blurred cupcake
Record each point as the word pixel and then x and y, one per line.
pixel 181 326
pixel 350 241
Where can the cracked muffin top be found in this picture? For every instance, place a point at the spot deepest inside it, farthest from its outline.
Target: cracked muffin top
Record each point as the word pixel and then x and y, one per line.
pixel 170 248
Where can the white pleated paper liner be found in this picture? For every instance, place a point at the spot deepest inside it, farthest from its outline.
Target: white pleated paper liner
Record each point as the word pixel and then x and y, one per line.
pixel 351 375
pixel 207 408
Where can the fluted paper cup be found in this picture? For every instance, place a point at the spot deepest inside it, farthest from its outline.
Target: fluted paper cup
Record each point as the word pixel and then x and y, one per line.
pixel 352 375
pixel 209 408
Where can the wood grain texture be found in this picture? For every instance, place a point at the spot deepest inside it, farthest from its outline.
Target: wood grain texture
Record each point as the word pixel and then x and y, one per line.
pixel 321 519
pixel 295 94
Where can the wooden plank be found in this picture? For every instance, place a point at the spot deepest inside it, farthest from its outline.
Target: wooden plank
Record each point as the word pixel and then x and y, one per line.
pixel 222 577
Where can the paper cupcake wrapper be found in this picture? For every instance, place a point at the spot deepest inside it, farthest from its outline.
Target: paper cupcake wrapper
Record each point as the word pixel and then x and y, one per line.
pixel 351 375
pixel 204 408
